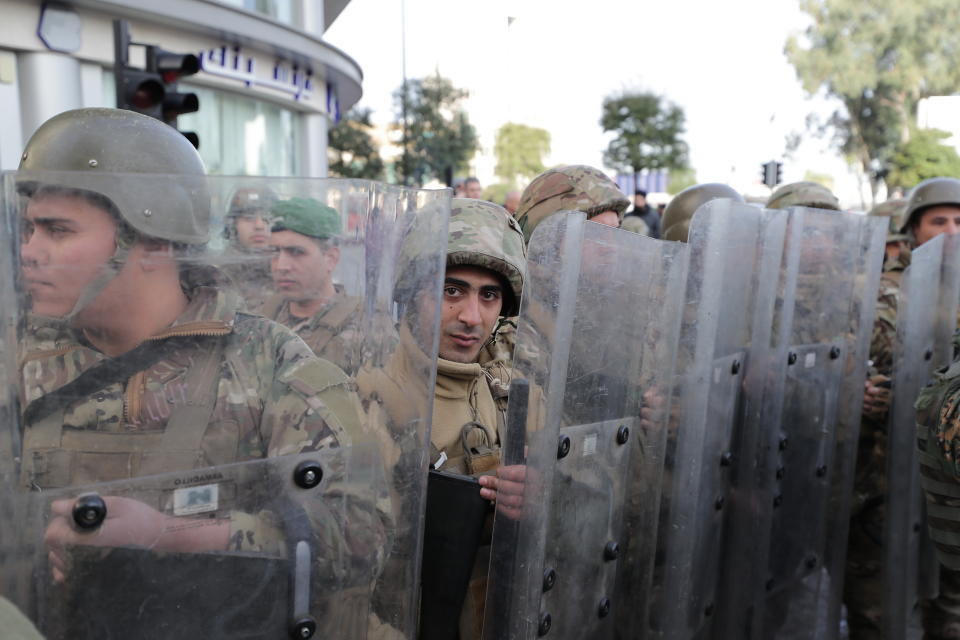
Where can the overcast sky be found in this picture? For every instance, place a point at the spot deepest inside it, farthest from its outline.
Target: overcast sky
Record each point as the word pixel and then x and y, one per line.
pixel 552 66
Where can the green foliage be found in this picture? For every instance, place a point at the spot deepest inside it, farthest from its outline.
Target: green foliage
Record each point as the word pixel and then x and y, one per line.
pixel 878 58
pixel 820 178
pixel 351 149
pixel 923 157
pixel 439 139
pixel 680 179
pixel 520 150
pixel 648 130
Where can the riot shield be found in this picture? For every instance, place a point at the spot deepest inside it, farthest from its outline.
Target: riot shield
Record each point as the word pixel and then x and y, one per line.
pixel 189 468
pixel 596 341
pixel 926 319
pixel 736 251
pixel 791 485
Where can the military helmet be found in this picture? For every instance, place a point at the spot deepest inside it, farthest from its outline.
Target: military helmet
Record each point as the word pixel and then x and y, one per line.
pixel 895 210
pixel 251 200
pixel 306 216
pixel 482 234
pixel 163 194
pixel 930 193
pixel 679 213
pixel 803 194
pixel 570 188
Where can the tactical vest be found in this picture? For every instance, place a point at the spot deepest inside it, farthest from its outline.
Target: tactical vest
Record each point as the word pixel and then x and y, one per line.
pixel 319 331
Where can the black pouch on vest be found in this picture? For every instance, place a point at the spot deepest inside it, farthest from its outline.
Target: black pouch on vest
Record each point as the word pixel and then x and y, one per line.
pixel 454 525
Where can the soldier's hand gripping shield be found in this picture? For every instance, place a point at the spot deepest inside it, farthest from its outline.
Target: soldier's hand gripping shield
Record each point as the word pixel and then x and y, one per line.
pixel 799 482
pixel 735 258
pixel 926 320
pixel 573 542
pixel 183 468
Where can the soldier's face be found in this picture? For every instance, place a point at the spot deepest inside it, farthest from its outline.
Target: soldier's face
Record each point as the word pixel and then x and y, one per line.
pixel 472 190
pixel 253 230
pixel 472 300
pixel 66 243
pixel 937 220
pixel 609 218
pixel 301 269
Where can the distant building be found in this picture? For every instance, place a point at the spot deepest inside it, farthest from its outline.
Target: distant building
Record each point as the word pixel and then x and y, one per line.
pixel 269 87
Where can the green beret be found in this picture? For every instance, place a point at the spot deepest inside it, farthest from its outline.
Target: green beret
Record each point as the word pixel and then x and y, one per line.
pixel 307 216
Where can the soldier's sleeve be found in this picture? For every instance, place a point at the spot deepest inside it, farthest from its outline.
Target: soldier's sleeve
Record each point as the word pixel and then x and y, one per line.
pixel 884 336
pixel 938 441
pixel 312 405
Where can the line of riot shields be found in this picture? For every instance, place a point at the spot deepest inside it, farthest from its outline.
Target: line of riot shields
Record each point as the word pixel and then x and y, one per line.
pixel 682 428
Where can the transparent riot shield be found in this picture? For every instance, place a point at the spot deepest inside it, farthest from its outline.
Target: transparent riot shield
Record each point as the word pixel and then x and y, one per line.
pixel 926 315
pixel 736 251
pixel 188 464
pixel 574 539
pixel 793 485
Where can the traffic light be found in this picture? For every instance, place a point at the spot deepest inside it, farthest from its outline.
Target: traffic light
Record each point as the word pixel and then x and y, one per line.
pixel 771 173
pixel 153 91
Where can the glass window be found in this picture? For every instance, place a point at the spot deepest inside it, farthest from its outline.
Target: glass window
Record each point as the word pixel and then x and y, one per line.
pixel 241 135
pixel 280 10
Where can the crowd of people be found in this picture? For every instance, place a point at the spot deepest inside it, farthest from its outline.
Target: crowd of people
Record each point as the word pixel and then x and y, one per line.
pixel 142 352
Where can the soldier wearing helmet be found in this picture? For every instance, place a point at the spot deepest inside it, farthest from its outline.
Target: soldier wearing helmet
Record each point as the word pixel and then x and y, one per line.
pixel 571 188
pixel 486 261
pixel 803 194
pixel 932 208
pixel 897 242
pixel 679 213
pixel 305 254
pixel 247 258
pixel 138 361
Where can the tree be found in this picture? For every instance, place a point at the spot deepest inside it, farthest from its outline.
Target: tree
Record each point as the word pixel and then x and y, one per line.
pixel 520 150
pixel 648 132
pixel 680 179
pixel 436 136
pixel 878 58
pixel 924 156
pixel 351 148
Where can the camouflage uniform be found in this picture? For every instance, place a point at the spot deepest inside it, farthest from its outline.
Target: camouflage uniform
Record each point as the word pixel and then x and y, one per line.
pixel 215 387
pixel 248 268
pixel 333 332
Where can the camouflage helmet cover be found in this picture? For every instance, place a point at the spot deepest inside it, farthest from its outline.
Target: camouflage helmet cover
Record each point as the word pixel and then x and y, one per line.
pixel 679 213
pixel 91 145
pixel 306 216
pixel 482 234
pixel 569 188
pixel 895 210
pixel 929 193
pixel 803 194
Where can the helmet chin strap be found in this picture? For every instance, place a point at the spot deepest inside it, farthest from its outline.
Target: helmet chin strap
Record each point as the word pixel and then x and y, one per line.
pixel 107 273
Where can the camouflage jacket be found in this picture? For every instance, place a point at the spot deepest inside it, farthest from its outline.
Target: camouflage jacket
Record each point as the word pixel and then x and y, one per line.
pixel 883 341
pixel 249 273
pixel 938 439
pixel 253 384
pixel 333 333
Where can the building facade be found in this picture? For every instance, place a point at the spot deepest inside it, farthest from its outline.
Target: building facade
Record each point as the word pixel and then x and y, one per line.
pixel 269 86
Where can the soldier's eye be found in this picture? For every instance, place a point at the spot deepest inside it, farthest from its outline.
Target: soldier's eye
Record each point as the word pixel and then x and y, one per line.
pixel 451 291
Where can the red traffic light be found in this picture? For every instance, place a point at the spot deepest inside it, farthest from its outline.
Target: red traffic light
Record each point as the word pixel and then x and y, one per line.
pixel 172 66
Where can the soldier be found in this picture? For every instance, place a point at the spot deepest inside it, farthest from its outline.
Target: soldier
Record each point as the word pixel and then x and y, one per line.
pixel 679 213
pixel 138 361
pixel 484 279
pixel 897 241
pixel 304 240
pixel 933 208
pixel 247 258
pixel 803 194
pixel 571 188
